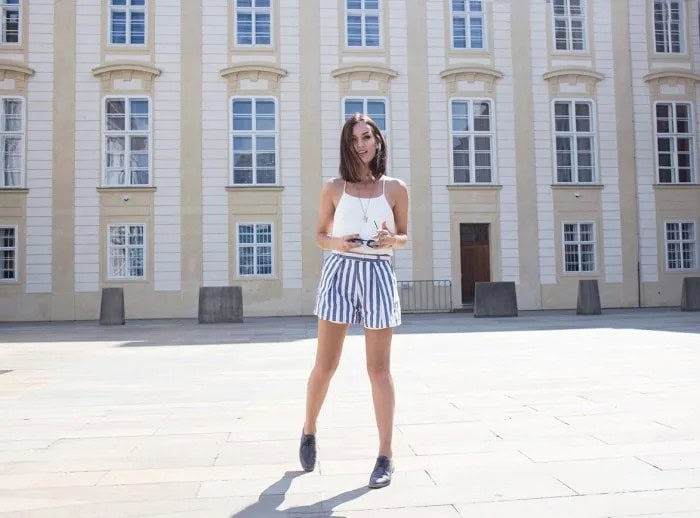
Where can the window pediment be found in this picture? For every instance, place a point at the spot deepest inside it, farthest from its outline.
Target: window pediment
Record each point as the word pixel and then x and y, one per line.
pixel 365 77
pixel 253 77
pixel 676 81
pixel 459 78
pixel 124 71
pixel 16 72
pixel 567 81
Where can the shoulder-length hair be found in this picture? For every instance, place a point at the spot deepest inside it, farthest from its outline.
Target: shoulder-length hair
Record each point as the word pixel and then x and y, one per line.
pixel 350 162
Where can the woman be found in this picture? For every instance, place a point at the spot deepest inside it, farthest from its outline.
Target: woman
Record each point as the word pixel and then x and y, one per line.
pixel 363 217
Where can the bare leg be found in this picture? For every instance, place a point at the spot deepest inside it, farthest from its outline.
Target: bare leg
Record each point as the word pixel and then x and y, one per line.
pixel 378 350
pixel 330 345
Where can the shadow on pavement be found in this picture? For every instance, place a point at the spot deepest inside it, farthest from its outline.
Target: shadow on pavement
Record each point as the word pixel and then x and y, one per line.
pixel 273 496
pixel 266 330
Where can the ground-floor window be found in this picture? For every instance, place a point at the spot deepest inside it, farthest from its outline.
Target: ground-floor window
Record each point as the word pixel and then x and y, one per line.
pixel 8 253
pixel 579 247
pixel 254 249
pixel 126 251
pixel 680 245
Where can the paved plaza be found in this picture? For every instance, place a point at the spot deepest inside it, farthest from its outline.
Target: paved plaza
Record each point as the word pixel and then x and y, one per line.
pixel 545 415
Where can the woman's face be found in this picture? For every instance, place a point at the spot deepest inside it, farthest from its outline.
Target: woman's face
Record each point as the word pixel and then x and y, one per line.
pixel 363 142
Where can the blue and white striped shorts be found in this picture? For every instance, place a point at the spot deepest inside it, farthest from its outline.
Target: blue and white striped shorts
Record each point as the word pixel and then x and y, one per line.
pixel 358 289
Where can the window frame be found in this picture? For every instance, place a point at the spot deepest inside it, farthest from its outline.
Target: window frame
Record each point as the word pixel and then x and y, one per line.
pixel 578 244
pixel 467 15
pixel 472 134
pixel 255 245
pixel 253 134
pixel 126 134
pixel 4 6
pixel 126 246
pixel 674 137
pixel 569 31
pixel 23 142
pixel 15 279
pixel 682 37
pixel 254 11
pixel 595 176
pixel 363 32
pixel 680 241
pixel 365 99
pixel 128 9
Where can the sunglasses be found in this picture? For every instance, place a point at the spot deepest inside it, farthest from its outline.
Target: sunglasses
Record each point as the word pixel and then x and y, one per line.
pixel 369 242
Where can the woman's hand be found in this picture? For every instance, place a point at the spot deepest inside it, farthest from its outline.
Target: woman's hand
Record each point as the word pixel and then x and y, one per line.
pixel 345 243
pixel 384 237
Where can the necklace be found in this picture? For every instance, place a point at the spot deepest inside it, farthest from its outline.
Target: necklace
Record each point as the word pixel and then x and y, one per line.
pixel 364 209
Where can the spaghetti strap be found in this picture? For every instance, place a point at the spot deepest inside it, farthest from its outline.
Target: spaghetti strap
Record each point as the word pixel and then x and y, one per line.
pixel 383 182
pixel 345 184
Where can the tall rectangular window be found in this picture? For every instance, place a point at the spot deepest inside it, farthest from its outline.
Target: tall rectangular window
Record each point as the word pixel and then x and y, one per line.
pixel 127 22
pixel 681 245
pixel 569 25
pixel 127 141
pixel 9 27
pixel 472 140
pixel 11 141
pixel 126 252
pixel 362 23
pixel 254 249
pixel 579 247
pixel 253 22
pixel 372 106
pixel 574 134
pixel 8 253
pixel 254 140
pixel 675 142
pixel 668 26
pixel 468 24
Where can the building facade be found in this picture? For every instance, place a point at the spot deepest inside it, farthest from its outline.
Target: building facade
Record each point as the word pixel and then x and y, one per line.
pixel 165 145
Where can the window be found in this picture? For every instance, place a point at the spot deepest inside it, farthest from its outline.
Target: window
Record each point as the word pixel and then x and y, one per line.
pixel 11 141
pixel 9 28
pixel 8 254
pixel 253 25
pixel 575 141
pixel 668 26
pixel 569 25
pixel 472 141
pixel 127 22
pixel 254 140
pixel 675 142
pixel 468 24
pixel 680 245
pixel 126 252
pixel 127 141
pixel 374 107
pixel 254 249
pixel 362 23
pixel 579 247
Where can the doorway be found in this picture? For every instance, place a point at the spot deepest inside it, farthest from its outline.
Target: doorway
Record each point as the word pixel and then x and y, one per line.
pixel 474 257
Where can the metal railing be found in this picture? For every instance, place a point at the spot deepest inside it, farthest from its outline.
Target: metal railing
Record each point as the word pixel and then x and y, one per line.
pixel 425 296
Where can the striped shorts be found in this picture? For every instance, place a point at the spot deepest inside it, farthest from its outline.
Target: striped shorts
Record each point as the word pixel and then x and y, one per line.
pixel 358 289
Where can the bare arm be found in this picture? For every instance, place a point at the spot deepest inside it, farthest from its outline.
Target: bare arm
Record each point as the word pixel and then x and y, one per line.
pixel 398 240
pixel 326 211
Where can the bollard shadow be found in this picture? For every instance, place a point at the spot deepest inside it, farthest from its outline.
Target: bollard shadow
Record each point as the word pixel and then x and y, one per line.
pixel 273 496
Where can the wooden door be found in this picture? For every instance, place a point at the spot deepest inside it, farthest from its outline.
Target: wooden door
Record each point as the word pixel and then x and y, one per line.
pixel 475 257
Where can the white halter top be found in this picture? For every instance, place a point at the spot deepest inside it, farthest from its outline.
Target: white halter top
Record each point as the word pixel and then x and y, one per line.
pixel 363 216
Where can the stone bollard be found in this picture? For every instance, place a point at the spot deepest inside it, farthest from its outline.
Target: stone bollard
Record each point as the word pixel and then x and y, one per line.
pixel 112 307
pixel 220 304
pixel 690 297
pixel 495 299
pixel 588 302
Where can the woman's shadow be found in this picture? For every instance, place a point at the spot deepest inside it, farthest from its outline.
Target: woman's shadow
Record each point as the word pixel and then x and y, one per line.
pixel 273 496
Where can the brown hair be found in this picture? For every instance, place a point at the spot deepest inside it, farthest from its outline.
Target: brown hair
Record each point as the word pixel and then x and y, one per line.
pixel 350 163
